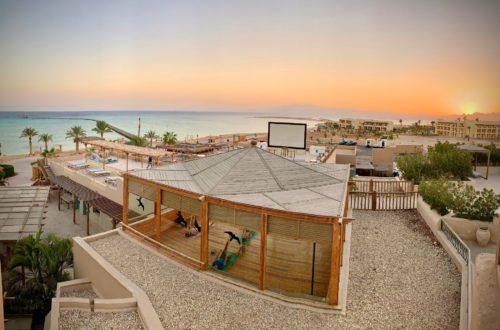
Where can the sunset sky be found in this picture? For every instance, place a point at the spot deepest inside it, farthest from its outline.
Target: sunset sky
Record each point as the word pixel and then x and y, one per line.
pixel 409 57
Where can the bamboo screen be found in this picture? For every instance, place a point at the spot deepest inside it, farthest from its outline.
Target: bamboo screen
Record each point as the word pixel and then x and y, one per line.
pixel 181 203
pixel 142 190
pixel 234 216
pixel 298 257
pixel 243 257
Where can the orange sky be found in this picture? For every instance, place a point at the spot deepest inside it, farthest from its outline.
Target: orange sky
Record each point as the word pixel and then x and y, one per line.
pixel 401 57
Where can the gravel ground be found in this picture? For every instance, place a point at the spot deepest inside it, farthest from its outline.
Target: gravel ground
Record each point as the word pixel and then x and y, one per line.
pixel 400 278
pixel 84 293
pixel 73 319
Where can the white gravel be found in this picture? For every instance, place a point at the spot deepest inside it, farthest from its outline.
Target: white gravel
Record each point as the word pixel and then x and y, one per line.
pixel 74 319
pixel 83 293
pixel 399 279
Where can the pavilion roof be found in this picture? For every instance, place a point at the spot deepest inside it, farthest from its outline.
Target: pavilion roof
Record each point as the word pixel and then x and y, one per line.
pixel 150 152
pixel 21 211
pixel 105 205
pixel 473 148
pixel 257 177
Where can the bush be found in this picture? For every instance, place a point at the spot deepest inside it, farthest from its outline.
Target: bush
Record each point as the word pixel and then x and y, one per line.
pixel 437 193
pixel 8 170
pixel 445 196
pixel 444 160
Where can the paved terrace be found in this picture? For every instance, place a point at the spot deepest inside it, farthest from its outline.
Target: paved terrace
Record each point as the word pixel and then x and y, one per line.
pixel 399 278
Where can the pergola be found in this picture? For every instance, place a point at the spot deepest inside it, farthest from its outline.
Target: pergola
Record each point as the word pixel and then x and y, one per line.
pixel 475 149
pixel 156 154
pixel 22 210
pixel 86 195
pixel 281 201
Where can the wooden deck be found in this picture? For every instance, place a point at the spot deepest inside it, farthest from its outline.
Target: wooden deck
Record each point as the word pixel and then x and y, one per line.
pixel 289 266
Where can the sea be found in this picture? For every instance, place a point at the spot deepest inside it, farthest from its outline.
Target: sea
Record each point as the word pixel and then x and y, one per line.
pixel 185 124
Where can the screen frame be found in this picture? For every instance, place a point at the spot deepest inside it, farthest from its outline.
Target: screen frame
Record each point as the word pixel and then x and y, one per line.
pixel 269 145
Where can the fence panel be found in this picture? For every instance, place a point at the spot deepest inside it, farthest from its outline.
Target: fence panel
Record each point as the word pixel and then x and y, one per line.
pixel 382 201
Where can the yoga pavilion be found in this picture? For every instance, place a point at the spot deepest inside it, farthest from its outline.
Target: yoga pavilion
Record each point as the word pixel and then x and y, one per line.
pixel 250 217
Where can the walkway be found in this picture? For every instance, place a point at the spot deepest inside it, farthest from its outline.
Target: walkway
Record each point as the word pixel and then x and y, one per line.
pixel 399 279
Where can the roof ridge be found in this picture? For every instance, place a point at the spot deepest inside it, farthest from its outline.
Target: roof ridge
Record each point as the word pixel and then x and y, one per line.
pixel 222 178
pixel 235 152
pixel 270 171
pixel 298 164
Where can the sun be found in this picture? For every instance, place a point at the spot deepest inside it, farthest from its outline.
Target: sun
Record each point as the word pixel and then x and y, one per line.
pixel 469 108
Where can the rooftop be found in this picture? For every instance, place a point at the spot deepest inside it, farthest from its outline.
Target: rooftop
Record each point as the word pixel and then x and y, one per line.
pixel 388 278
pixel 257 177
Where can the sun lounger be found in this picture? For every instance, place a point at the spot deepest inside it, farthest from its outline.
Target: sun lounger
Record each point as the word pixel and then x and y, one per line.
pixel 112 180
pixel 77 165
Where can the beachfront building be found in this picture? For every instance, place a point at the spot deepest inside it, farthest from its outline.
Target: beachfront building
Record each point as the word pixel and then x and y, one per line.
pixel 251 216
pixel 488 130
pixel 367 124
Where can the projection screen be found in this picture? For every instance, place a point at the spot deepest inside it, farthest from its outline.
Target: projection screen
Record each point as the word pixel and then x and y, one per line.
pixel 286 135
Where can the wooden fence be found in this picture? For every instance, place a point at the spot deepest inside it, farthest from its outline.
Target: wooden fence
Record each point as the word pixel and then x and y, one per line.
pixel 382 195
pixel 382 186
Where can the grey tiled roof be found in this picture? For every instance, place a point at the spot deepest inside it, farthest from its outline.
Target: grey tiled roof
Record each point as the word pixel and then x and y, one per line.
pixel 257 177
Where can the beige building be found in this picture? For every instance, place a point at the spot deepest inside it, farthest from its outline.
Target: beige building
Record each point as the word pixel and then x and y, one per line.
pixel 367 124
pixel 489 130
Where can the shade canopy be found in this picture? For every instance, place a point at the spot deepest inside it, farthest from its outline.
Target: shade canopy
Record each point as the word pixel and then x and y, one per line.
pixel 105 205
pixel 149 152
pixel 21 211
pixel 259 178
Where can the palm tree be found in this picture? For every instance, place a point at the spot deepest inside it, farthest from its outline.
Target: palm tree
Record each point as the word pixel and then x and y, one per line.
pixel 401 122
pixel 45 138
pixel 76 132
pixel 169 138
pixel 151 135
pixel 35 268
pixel 101 127
pixel 29 132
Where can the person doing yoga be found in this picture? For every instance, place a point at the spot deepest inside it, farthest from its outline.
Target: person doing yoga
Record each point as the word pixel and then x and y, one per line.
pixel 180 219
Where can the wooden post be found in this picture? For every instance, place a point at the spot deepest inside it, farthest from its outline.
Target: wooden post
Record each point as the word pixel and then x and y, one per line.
pixel 334 285
pixel 374 200
pixel 126 164
pixel 488 165
pixel 74 208
pixel 263 246
pixel 204 233
pixel 158 213
pixel 88 218
pixel 125 200
pixel 142 160
pixel 59 199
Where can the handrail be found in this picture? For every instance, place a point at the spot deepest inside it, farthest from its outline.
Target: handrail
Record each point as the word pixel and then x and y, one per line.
pixel 464 252
pixel 149 239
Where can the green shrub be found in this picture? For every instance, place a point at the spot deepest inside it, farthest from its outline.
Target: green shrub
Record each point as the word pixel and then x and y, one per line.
pixel 437 193
pixel 444 160
pixel 445 196
pixel 8 170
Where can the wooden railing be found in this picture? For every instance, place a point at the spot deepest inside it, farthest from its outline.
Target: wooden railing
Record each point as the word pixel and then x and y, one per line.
pixel 380 186
pixel 161 245
pixel 383 201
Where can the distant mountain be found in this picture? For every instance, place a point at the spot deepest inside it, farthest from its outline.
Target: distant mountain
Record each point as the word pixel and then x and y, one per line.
pixel 481 116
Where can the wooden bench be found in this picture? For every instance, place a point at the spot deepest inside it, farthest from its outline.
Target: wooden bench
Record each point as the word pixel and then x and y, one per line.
pixel 68 199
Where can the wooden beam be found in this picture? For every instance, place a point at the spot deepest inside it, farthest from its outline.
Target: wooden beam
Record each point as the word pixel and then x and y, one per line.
pixel 263 242
pixel 158 214
pixel 74 208
pixel 334 285
pixel 125 200
pixel 240 206
pixel 126 164
pixel 88 218
pixel 204 234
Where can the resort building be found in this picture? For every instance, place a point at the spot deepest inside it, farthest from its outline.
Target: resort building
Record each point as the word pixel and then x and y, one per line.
pixel 367 124
pixel 488 130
